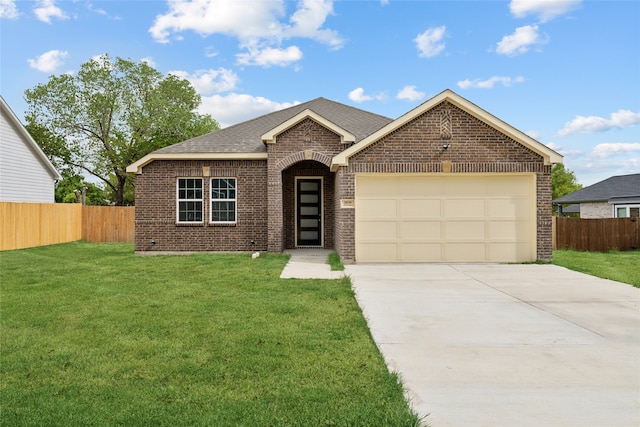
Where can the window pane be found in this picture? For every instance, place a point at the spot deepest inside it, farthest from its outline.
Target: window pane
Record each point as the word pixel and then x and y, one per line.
pixel 309 186
pixel 223 188
pixel 621 212
pixel 223 211
pixel 190 211
pixel 634 212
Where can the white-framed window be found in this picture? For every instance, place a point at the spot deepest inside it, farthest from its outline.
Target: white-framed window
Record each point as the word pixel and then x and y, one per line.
pixel 190 200
pixel 224 201
pixel 627 211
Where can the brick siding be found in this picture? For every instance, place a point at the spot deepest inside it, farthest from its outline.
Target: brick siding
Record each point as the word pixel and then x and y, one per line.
pixel 156 207
pixel 266 189
pixel 417 147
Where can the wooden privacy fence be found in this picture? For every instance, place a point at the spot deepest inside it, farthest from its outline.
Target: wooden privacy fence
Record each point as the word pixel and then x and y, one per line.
pixel 597 235
pixel 24 225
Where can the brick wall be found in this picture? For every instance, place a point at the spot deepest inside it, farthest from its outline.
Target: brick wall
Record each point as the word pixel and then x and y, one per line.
pixel 305 149
pixel 417 147
pixel 156 207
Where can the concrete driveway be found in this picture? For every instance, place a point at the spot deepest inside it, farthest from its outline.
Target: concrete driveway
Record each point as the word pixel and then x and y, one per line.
pixel 506 345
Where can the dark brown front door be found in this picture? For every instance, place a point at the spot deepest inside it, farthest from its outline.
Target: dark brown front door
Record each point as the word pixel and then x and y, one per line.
pixel 309 212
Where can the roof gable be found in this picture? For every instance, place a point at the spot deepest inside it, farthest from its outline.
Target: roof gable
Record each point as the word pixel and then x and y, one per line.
pixel 345 136
pixel 549 155
pixel 245 140
pixel 26 137
pixel 615 187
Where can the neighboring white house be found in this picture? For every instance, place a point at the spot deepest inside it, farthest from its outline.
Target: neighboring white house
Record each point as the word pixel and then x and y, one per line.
pixel 615 197
pixel 26 174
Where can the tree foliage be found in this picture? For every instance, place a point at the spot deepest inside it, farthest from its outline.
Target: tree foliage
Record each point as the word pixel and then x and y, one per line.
pixel 112 113
pixel 563 182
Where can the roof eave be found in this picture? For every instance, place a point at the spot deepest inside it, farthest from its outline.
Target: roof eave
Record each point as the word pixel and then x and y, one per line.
pixel 137 166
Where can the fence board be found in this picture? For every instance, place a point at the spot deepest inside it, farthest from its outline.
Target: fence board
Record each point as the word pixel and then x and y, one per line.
pixel 108 224
pixel 597 235
pixel 25 225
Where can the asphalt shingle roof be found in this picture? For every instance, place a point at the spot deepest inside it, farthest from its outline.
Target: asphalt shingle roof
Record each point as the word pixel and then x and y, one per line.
pixel 616 186
pixel 245 137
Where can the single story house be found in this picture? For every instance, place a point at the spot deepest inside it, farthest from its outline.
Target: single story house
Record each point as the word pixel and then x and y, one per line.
pixel 26 174
pixel 445 182
pixel 615 197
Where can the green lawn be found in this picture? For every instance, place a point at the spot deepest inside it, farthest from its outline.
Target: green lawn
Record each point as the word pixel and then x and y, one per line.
pixel 93 335
pixel 619 266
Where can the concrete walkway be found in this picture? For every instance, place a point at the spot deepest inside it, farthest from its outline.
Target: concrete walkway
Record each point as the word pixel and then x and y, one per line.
pixel 506 345
pixel 309 264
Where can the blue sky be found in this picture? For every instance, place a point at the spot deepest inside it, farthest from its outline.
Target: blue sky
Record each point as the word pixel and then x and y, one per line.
pixel 565 72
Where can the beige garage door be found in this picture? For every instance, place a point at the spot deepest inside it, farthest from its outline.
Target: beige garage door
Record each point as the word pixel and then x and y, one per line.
pixel 445 218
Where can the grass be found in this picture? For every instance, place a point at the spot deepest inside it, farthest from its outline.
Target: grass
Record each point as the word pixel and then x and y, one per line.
pixel 93 335
pixel 334 262
pixel 614 265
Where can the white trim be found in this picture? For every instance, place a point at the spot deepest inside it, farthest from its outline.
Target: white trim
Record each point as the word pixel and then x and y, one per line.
pixel 178 199
pixel 627 206
pixel 549 155
pixel 346 137
pixel 295 212
pixel 138 165
pixel 211 200
pixel 55 175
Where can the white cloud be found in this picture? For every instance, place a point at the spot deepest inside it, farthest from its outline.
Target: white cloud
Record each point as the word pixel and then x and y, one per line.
pixel 429 43
pixel 410 93
pixel 489 83
pixel 308 20
pixel 47 10
pixel 546 10
pixel 594 124
pixel 235 108
pixel 260 28
pixel 612 149
pixel 48 61
pixel 520 41
pixel 357 95
pixel 210 81
pixel 270 56
pixel 228 17
pixel 8 9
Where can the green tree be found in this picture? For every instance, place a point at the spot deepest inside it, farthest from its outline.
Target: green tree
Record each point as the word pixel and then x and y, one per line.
pixel 70 183
pixel 111 114
pixel 563 181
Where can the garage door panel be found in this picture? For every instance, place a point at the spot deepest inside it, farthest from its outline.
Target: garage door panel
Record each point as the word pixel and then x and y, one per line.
pixel 377 252
pixel 516 207
pixel 375 230
pixel 420 208
pixel 509 252
pixel 464 186
pixel 464 230
pixel 445 218
pixel 378 208
pixel 377 185
pixel 421 252
pixel 509 230
pixel 420 230
pixel 465 252
pixel 513 186
pixel 421 186
pixel 464 208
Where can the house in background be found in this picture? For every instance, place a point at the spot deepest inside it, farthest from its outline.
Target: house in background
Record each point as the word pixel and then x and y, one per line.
pixel 26 174
pixel 615 197
pixel 445 182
